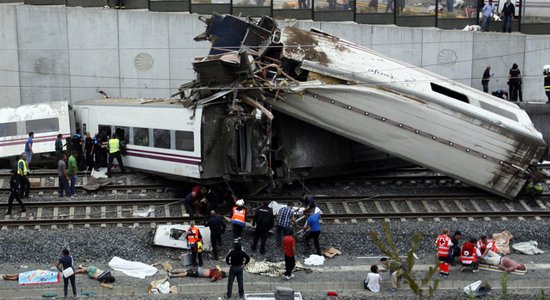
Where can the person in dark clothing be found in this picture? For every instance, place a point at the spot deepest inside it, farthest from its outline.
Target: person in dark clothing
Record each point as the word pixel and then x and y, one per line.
pixel 546 73
pixel 89 147
pixel 307 201
pixel 514 82
pixel 77 143
pixel 101 152
pixel 212 201
pixel 263 220
pixel 217 228
pixel 14 193
pixel 507 13
pixel 500 94
pixel 455 248
pixel 67 261
pixel 58 146
pixel 236 258
pixel 485 79
pixel 120 4
pixel 189 203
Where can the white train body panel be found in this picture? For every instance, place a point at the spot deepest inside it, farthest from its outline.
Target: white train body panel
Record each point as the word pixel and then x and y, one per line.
pixel 138 113
pixel 411 113
pixel 46 120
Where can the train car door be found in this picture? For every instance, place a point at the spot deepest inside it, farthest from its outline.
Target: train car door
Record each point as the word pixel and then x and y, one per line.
pixel 243 149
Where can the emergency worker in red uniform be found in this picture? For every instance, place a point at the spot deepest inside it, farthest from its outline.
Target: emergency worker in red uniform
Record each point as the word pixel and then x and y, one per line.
pixel 238 219
pixel 443 244
pixel 469 254
pixel 488 249
pixel 194 241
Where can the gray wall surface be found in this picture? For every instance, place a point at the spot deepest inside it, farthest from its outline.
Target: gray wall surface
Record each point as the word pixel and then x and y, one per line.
pixel 52 53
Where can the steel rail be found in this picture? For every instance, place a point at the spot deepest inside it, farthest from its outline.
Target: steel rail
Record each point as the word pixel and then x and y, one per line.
pixel 407 215
pixel 107 187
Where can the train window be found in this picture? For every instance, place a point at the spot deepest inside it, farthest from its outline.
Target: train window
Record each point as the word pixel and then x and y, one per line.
pixel 185 141
pixel 8 129
pixel 449 93
pixel 498 111
pixel 162 138
pixel 42 125
pixel 105 130
pixel 123 133
pixel 141 136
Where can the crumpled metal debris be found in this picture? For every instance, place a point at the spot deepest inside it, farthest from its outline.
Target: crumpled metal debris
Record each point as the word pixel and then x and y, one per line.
pixel 271 269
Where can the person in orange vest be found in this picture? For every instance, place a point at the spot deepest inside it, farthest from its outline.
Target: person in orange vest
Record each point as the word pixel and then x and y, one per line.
pixel 238 219
pixel 443 244
pixel 469 254
pixel 194 241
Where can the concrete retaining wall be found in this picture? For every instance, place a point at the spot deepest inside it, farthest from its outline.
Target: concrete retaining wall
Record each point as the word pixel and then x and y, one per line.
pixel 69 53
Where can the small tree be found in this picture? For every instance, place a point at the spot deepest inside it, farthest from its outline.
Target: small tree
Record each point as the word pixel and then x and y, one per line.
pixel 388 248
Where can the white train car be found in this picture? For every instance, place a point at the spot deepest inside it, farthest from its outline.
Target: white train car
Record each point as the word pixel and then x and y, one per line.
pixel 166 138
pixel 383 103
pixel 46 120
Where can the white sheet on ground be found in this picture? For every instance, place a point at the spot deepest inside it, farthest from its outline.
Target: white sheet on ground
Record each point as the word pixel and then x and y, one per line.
pixel 529 248
pixel 132 268
pixel 315 260
pixel 276 207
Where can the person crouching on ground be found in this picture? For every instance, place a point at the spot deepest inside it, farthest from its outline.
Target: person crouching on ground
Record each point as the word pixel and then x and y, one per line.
pixel 372 283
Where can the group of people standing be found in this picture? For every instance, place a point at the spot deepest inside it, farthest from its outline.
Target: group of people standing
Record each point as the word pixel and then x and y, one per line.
pixel 507 14
pixel 263 220
pixel 514 84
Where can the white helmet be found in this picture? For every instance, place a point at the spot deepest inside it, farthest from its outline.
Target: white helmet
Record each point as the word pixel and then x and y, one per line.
pixel 546 68
pixel 240 202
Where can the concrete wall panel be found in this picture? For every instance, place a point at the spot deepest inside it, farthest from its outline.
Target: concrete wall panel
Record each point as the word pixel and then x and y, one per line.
pixel 92 28
pixel 44 75
pixel 9 58
pixel 398 42
pixel 41 27
pixel 500 51
pixel 536 56
pixel 359 34
pixel 142 30
pixel 448 53
pixel 144 73
pixel 88 78
pixel 183 49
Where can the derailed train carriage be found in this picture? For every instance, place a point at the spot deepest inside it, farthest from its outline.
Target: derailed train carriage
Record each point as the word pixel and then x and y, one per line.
pixel 364 96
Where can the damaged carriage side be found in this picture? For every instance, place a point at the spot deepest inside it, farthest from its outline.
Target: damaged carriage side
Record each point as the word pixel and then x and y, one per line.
pixel 366 97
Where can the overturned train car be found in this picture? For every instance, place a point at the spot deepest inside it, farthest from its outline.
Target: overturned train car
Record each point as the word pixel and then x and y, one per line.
pixel 364 96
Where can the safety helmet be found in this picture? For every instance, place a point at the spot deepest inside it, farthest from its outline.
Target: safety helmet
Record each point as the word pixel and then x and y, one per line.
pixel 240 202
pixel 546 68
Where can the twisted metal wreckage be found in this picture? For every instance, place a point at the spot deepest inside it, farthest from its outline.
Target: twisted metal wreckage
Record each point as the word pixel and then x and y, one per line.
pixel 366 97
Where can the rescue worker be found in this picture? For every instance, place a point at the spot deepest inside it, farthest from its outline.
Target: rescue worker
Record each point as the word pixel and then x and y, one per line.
pixel 263 220
pixel 469 255
pixel 194 241
pixel 308 202
pixel 114 152
pixel 77 143
pixel 488 248
pixel 23 176
pixel 14 193
pixel 217 228
pixel 514 82
pixel 238 219
pixel 189 203
pixel 546 72
pixel 443 244
pixel 455 249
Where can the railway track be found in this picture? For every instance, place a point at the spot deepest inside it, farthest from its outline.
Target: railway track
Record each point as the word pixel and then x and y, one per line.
pixel 337 210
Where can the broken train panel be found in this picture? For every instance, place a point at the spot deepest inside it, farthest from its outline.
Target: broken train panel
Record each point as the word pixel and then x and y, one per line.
pixel 384 103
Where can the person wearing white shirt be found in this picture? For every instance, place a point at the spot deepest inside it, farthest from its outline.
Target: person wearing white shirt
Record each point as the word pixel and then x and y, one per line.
pixel 487 11
pixel 372 283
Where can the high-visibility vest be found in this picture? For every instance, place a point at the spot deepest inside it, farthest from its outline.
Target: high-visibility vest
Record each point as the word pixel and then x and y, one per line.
pixel 238 216
pixel 547 83
pixel 483 246
pixel 193 235
pixel 114 145
pixel 22 172
pixel 468 253
pixel 442 244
